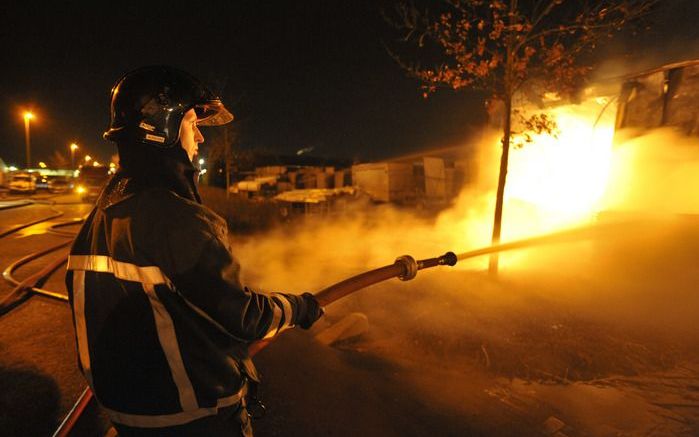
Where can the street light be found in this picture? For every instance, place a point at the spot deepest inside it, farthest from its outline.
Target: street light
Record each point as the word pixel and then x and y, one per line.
pixel 73 148
pixel 88 158
pixel 28 116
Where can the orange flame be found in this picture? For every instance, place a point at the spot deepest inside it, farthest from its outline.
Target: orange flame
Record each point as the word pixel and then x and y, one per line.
pixel 559 181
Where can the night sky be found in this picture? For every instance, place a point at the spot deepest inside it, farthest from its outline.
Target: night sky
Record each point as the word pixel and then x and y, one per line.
pixel 296 74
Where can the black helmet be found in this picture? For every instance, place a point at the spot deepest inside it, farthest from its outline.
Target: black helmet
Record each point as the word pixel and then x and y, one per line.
pixel 148 105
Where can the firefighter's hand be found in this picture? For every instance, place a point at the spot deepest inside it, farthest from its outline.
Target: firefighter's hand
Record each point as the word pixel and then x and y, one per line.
pixel 310 311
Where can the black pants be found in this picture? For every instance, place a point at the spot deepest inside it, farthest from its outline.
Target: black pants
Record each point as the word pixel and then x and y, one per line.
pixel 229 422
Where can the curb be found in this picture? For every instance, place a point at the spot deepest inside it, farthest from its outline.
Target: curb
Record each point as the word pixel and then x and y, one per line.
pixel 14 204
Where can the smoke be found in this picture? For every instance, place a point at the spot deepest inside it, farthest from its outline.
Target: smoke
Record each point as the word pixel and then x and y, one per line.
pixel 632 284
pixel 644 272
pixel 671 37
pixel 655 173
pixel 319 251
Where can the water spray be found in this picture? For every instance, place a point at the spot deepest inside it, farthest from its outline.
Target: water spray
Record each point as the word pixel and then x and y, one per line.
pixel 405 267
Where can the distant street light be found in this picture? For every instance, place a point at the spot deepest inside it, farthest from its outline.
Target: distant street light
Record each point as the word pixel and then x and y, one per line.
pixel 42 164
pixel 28 116
pixel 73 148
pixel 88 158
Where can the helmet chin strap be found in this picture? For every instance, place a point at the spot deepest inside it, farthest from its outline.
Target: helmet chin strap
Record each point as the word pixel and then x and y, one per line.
pixel 195 161
pixel 189 171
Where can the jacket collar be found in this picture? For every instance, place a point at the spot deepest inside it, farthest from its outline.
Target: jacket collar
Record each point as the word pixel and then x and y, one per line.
pixel 144 167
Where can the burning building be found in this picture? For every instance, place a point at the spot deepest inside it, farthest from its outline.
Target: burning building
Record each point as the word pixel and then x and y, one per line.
pixel 656 154
pixel 665 96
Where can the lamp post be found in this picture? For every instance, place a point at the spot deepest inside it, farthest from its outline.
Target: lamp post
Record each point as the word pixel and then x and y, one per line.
pixel 73 148
pixel 28 116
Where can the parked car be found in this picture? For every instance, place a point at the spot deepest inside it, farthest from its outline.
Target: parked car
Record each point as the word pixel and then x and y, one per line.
pixel 42 182
pixel 58 184
pixel 23 183
pixel 90 182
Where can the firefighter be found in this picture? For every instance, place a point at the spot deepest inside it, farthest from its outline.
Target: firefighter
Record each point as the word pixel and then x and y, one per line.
pixel 162 322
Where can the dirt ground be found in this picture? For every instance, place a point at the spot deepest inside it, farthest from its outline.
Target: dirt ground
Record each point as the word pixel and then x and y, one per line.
pixel 417 383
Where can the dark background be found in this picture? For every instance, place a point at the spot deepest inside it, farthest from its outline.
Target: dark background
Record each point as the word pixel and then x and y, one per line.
pixel 296 74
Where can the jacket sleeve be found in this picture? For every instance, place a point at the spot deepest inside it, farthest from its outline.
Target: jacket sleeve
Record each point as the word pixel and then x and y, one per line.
pixel 198 260
pixel 212 286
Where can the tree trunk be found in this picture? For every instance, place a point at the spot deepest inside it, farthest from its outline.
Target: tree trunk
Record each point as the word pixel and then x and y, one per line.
pixel 497 223
pixel 506 133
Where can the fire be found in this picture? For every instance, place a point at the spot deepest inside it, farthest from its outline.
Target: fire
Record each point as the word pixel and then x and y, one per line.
pixel 565 181
pixel 559 181
pixel 553 182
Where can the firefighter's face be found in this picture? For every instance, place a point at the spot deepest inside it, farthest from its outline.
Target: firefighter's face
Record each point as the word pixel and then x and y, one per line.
pixel 190 136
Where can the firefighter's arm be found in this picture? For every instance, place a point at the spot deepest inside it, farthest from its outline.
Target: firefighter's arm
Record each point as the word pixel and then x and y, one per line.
pixel 211 285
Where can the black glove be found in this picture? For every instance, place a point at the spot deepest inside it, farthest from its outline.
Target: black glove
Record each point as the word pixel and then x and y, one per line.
pixel 308 311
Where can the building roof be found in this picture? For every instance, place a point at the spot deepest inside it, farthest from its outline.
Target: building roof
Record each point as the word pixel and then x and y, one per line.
pixel 666 67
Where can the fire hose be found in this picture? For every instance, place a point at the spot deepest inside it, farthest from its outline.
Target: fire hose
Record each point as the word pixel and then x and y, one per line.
pixel 24 289
pixel 404 268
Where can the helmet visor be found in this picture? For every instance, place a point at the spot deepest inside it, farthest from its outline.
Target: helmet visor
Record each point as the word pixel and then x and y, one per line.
pixel 212 113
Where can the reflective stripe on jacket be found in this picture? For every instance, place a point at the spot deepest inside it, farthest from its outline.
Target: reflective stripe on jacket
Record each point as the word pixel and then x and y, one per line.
pixel 162 323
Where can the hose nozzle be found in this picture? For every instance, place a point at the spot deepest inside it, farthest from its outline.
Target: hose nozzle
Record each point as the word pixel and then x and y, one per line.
pixel 448 259
pixel 410 266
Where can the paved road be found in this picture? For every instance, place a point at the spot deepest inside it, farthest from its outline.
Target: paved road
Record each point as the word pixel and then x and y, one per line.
pixel 39 380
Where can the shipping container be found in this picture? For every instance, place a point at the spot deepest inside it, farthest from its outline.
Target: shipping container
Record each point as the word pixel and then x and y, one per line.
pixel 385 181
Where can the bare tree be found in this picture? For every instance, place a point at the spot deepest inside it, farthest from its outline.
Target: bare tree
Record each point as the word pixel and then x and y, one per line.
pixel 502 45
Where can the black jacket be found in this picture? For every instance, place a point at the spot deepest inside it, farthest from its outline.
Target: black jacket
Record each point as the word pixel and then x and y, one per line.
pixel 162 321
